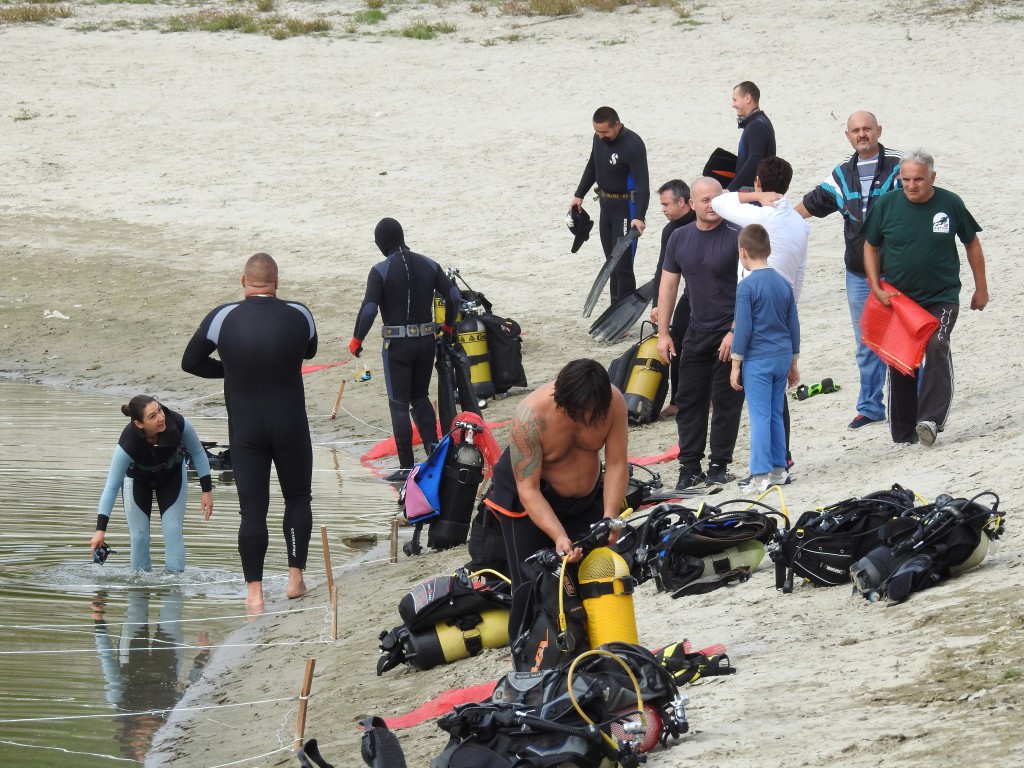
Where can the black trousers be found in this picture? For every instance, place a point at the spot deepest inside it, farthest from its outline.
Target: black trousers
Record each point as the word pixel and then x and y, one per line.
pixel 408 365
pixel 677 331
pixel 704 382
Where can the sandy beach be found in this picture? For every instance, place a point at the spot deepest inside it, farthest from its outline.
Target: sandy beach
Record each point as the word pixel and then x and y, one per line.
pixel 143 166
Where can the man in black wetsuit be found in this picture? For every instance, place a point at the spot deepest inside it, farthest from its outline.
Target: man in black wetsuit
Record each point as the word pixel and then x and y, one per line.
pixel 402 287
pixel 675 204
pixel 262 342
pixel 618 165
pixel 758 138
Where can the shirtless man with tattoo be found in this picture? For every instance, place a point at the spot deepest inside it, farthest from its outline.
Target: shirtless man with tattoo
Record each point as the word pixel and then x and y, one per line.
pixel 548 486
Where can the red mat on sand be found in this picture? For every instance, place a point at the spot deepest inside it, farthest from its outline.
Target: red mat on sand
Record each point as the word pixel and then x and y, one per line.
pixel 312 368
pixel 898 333
pixel 670 455
pixel 386 447
pixel 442 704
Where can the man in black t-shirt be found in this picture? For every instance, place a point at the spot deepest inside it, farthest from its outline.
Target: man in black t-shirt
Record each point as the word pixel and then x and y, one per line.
pixel 618 166
pixel 705 253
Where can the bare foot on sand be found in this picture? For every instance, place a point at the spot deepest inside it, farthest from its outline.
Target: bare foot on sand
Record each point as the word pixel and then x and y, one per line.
pixel 254 600
pixel 296 585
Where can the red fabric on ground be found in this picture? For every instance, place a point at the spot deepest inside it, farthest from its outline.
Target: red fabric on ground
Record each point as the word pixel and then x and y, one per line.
pixel 442 704
pixel 670 455
pixel 311 368
pixel 898 333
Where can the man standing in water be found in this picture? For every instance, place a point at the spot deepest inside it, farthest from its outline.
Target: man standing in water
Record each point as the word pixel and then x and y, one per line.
pixel 262 342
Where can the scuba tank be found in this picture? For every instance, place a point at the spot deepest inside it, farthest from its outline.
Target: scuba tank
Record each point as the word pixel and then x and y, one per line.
pixel 606 589
pixel 457 638
pixel 461 476
pixel 473 339
pixel 647 380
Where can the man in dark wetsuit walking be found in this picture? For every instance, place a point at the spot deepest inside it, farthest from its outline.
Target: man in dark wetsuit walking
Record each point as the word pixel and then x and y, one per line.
pixel 758 138
pixel 262 342
pixel 618 165
pixel 548 488
pixel 402 288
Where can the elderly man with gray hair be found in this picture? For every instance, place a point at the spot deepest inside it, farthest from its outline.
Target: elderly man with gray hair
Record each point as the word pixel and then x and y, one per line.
pixel 917 227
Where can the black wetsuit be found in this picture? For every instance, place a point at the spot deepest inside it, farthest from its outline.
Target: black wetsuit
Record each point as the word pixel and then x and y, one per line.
pixel 402 288
pixel 522 537
pixel 756 142
pixel 681 316
pixel 262 342
pixel 618 168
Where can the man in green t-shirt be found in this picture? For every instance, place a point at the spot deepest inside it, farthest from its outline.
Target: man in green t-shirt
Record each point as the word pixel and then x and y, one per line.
pixel 918 226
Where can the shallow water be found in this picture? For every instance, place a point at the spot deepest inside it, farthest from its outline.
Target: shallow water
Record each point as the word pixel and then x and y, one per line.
pixel 91 655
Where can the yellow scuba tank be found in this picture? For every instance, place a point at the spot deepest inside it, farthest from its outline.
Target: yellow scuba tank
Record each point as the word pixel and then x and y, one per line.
pixel 446 642
pixel 606 589
pixel 473 339
pixel 646 380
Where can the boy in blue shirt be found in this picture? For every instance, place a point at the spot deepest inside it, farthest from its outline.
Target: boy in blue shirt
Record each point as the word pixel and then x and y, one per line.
pixel 765 347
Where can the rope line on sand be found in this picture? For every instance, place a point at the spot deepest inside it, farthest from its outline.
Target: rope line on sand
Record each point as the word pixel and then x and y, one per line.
pixel 62 718
pixel 254 757
pixel 364 423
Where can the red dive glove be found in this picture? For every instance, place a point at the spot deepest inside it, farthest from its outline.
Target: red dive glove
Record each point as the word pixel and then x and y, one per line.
pixel 355 346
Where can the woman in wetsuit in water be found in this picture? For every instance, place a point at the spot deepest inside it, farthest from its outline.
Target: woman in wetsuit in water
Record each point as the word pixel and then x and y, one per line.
pixel 148 462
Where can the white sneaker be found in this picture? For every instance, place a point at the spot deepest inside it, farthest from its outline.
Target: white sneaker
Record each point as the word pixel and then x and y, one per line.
pixel 926 432
pixel 779 476
pixel 755 483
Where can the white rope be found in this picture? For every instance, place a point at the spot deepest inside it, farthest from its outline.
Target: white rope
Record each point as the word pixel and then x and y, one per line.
pixel 59 627
pixel 254 757
pixel 63 718
pixel 69 751
pixel 364 423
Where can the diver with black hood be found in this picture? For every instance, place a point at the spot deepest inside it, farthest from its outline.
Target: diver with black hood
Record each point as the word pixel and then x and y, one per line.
pixel 402 288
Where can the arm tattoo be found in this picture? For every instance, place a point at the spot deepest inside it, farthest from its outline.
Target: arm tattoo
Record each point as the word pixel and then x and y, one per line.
pixel 524 447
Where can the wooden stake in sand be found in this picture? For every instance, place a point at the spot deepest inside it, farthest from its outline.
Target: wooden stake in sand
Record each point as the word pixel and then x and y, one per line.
pixel 331 591
pixel 300 718
pixel 394 539
pixel 337 402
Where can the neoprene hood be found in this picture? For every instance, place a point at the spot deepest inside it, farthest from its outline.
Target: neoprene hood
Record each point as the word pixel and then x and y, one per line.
pixel 388 235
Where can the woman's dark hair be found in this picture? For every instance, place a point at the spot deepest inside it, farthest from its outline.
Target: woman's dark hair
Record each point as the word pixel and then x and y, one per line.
pixel 135 409
pixel 584 391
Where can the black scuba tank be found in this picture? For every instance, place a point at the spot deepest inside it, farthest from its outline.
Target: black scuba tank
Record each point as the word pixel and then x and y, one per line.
pixel 460 480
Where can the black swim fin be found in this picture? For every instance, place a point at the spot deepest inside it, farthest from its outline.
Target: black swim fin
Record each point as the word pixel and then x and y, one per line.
pixel 380 747
pixel 622 315
pixel 621 247
pixel 309 756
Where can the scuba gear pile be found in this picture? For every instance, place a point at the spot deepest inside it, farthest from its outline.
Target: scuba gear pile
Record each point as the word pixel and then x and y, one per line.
pixel 492 345
pixel 220 461
pixel 926 545
pixel 442 490
pixel 823 544
pixel 642 377
pixel 608 707
pixel 549 620
pixel 448 618
pixel 688 553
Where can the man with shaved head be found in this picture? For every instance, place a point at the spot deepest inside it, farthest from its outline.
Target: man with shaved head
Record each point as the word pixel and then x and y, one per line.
pixel 852 188
pixel 261 343
pixel 705 254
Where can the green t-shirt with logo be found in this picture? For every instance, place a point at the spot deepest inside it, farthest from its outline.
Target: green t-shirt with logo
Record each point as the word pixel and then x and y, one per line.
pixel 920 256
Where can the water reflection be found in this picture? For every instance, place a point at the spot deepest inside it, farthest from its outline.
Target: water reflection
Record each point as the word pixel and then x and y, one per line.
pixel 88 652
pixel 144 662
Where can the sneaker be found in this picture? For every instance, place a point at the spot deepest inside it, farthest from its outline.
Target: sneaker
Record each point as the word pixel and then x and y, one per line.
pixel 926 432
pixel 780 476
pixel 755 483
pixel 689 478
pixel 717 474
pixel 861 421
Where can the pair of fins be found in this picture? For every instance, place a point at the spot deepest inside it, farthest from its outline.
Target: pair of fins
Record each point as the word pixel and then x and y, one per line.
pixel 623 245
pixel 616 321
